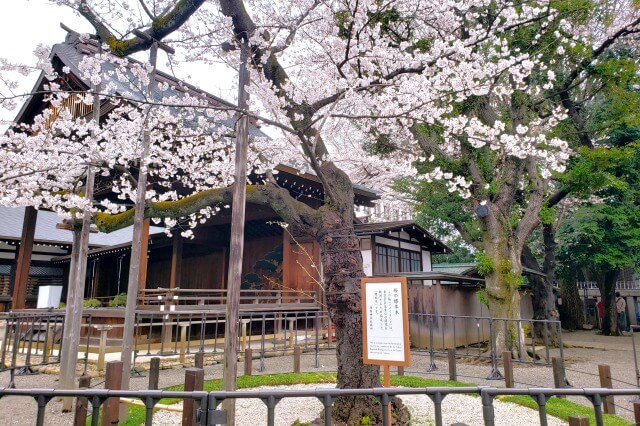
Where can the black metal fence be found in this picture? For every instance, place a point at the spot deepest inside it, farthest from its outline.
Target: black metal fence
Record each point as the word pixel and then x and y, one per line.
pixel 29 340
pixel 208 413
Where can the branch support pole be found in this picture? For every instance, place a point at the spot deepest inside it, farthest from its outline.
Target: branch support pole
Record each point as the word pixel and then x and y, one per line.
pixel 230 370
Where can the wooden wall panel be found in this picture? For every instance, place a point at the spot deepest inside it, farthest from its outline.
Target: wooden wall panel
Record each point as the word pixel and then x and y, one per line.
pixel 304 267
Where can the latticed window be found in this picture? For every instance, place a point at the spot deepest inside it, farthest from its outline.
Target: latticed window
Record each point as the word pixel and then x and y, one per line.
pixel 392 259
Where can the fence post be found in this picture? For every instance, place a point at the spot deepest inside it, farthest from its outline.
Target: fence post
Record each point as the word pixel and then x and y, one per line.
pixel 508 369
pixel 102 349
pixel 248 361
pixel 199 359
pixel 578 421
pixel 400 371
pixel 291 328
pixel 193 381
pixel 113 380
pixel 243 340
pixel 451 355
pixel 154 373
pixel 48 343
pixel 636 412
pixel 604 371
pixel 297 350
pixel 183 343
pixel 80 416
pixel 557 366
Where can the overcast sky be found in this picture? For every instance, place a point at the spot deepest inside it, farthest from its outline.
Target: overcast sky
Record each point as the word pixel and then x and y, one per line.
pixel 27 23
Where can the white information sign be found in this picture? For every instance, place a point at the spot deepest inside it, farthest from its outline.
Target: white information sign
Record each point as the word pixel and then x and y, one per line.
pixel 385 328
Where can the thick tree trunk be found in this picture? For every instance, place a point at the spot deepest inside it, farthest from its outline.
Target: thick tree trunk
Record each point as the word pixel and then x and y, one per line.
pixel 543 300
pixel 504 297
pixel 572 309
pixel 607 285
pixel 342 270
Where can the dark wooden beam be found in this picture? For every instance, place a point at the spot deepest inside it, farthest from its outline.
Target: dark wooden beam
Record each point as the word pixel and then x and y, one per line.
pixel 24 258
pixel 176 262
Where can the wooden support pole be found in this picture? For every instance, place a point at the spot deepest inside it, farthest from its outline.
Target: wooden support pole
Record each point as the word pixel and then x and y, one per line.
pixel 102 349
pixel 451 355
pixel 636 412
pixel 80 415
pixel 144 257
pixel 154 373
pixel 113 380
pixel 176 262
pixel 23 262
pixel 578 421
pixel 198 361
pixel 387 384
pixel 297 352
pixel 508 369
pixel 248 361
pixel 400 371
pixel 292 325
pixel 48 340
pixel 193 381
pixel 243 341
pixel 604 371
pixel 557 367
pixel 183 343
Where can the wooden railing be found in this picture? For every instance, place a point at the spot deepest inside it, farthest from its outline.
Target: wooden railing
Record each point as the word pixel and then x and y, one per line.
pixel 167 297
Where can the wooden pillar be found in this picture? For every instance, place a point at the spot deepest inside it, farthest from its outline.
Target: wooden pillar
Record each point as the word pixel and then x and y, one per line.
pixel 193 381
pixel 508 369
pixel 176 262
pixel 286 260
pixel 144 257
pixel 23 262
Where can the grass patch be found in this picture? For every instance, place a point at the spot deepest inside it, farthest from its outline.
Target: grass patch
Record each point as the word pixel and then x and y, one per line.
pixel 556 407
pixel 562 408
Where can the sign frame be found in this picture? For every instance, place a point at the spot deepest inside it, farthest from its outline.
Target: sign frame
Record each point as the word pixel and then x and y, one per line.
pixel 404 300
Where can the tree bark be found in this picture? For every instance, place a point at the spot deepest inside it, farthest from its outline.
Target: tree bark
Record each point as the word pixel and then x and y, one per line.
pixel 572 309
pixel 607 285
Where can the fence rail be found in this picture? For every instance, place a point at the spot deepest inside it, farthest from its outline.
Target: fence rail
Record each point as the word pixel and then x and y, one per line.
pixel 208 414
pixel 620 285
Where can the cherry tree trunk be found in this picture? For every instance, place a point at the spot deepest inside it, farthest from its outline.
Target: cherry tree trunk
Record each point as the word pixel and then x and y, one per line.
pixel 572 309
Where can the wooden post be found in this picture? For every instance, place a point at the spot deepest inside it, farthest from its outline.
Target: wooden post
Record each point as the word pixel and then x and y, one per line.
pixel 291 332
pixel 176 262
pixel 236 250
pixel 102 350
pixel 578 421
pixel 248 361
pixel 183 343
pixel 451 355
pixel 154 373
pixel 23 262
pixel 636 412
pixel 508 369
pixel 48 347
pixel 198 361
pixel 400 371
pixel 557 367
pixel 604 371
pixel 297 351
pixel 193 381
pixel 387 384
pixel 80 416
pixel 113 380
pixel 243 342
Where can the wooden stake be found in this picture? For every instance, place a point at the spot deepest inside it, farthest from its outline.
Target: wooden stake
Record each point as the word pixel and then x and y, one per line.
pixel 604 371
pixel 154 373
pixel 113 380
pixel 193 381
pixel 451 355
pixel 401 371
pixel 198 361
pixel 80 416
pixel 297 351
pixel 557 367
pixel 508 369
pixel 636 412
pixel 578 421
pixel 248 361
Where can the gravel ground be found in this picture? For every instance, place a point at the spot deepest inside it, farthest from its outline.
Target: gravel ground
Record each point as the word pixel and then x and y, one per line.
pixel 456 409
pixel 581 364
